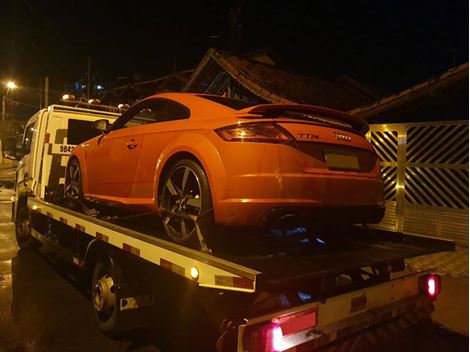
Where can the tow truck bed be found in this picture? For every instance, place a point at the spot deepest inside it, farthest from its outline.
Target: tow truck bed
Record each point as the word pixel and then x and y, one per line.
pixel 358 248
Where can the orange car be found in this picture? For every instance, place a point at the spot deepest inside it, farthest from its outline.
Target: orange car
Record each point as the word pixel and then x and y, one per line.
pixel 232 163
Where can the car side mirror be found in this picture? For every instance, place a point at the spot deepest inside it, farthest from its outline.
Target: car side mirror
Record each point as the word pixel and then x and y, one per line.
pixel 9 150
pixel 101 125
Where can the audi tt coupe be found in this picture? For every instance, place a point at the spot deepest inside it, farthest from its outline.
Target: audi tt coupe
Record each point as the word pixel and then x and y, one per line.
pixel 229 162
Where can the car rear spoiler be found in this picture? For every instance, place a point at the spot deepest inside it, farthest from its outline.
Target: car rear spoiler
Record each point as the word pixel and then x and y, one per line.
pixel 276 110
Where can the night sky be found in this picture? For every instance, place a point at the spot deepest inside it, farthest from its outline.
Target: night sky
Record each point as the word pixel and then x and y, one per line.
pixel 388 45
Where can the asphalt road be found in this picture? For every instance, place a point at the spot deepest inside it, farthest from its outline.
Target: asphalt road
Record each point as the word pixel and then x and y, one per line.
pixel 43 309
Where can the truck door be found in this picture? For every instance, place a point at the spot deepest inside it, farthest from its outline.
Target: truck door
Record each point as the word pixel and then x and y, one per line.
pixel 26 167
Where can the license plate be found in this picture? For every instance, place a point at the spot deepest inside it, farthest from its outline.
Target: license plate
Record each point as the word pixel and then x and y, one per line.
pixel 339 161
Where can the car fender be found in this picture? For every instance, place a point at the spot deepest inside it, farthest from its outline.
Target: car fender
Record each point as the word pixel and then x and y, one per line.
pixel 204 151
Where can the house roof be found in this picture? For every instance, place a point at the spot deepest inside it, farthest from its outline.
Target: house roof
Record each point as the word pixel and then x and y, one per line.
pixel 452 83
pixel 275 85
pixel 138 90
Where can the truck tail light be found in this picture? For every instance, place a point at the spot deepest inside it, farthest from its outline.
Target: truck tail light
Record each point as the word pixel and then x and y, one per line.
pixel 263 338
pixel 271 337
pixel 255 132
pixel 430 285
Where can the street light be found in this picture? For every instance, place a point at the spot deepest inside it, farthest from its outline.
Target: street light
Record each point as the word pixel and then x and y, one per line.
pixel 10 85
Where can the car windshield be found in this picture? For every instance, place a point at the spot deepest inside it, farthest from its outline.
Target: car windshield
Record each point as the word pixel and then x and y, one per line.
pixel 229 102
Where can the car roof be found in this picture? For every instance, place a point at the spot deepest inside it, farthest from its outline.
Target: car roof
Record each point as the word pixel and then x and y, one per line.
pixel 199 106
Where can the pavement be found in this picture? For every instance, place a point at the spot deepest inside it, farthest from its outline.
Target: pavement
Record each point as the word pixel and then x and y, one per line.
pixel 7 174
pixel 42 310
pixel 451 308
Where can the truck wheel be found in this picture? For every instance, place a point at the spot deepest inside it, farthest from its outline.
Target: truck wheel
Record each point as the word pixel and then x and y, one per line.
pixel 186 191
pixel 105 297
pixel 73 182
pixel 23 229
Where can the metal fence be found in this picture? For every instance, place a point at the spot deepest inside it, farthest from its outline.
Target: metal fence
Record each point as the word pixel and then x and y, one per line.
pixel 425 172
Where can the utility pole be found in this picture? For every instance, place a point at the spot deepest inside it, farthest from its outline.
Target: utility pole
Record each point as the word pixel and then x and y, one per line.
pixel 40 92
pixel 235 27
pixel 88 79
pixel 46 91
pixel 4 98
pixel 10 85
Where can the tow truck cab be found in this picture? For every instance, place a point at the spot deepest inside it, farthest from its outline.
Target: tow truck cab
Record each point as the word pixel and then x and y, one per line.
pixel 42 152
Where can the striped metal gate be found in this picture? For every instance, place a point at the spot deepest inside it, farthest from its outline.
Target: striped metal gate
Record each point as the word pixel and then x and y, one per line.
pixel 425 172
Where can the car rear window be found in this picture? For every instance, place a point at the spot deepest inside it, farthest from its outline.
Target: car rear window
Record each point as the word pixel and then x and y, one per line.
pixel 229 102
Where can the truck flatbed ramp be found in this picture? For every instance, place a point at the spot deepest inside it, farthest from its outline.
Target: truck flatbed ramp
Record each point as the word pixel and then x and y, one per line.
pixel 311 261
pixel 359 247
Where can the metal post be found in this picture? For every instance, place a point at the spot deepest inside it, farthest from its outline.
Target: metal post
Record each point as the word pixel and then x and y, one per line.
pixel 401 177
pixel 3 106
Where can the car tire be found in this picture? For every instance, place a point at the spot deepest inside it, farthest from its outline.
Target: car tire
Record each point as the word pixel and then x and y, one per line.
pixel 23 230
pixel 186 191
pixel 73 189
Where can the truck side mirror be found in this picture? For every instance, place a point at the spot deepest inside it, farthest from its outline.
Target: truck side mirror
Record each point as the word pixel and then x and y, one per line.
pixel 9 150
pixel 101 125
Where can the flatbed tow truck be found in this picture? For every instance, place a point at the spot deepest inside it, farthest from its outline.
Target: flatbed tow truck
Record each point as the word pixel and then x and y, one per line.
pixel 317 292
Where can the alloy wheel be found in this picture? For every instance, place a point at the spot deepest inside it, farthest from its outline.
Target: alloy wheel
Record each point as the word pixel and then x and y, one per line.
pixel 73 186
pixel 181 196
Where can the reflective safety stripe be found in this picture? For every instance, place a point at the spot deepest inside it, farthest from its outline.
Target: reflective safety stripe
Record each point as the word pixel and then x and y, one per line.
pixel 233 281
pixel 172 267
pixel 170 256
pixel 129 249
pixel 102 237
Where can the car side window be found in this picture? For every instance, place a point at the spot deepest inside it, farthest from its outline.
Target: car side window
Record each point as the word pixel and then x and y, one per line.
pixel 157 111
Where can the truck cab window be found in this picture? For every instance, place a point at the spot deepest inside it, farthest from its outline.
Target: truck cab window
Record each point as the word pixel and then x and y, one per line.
pixel 79 131
pixel 28 136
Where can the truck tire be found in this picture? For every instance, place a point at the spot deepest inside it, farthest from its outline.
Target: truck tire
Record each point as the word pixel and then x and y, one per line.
pixel 186 191
pixel 110 285
pixel 105 296
pixel 23 230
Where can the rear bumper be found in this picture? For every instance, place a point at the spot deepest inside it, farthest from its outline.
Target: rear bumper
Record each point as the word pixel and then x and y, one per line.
pixel 290 217
pixel 257 199
pixel 342 319
pixel 294 213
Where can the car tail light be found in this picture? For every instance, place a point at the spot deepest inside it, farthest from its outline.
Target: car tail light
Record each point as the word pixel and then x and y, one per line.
pixel 255 132
pixel 270 337
pixel 430 285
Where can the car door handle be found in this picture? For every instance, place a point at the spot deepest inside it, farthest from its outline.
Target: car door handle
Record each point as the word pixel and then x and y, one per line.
pixel 131 145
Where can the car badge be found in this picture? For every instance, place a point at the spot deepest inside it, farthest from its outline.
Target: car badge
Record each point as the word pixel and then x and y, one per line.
pixel 342 137
pixel 307 136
